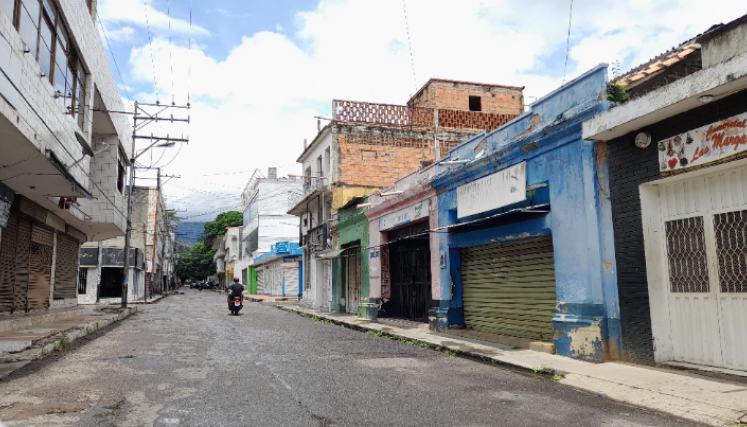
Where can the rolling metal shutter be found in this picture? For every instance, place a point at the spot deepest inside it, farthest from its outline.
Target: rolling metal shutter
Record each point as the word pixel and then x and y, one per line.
pixel 8 250
pixel 291 281
pixel 66 267
pixel 260 280
pixel 509 288
pixel 21 286
pixel 40 267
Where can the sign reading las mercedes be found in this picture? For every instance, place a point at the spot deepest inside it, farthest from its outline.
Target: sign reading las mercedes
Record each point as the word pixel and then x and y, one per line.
pixel 493 191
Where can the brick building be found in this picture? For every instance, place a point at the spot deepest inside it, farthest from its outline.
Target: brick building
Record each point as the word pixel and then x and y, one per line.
pixel 64 156
pixel 368 146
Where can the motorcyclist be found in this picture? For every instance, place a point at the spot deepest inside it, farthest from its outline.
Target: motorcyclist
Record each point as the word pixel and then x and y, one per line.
pixel 234 290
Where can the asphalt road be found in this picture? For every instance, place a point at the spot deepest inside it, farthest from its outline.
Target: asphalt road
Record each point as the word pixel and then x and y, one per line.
pixel 186 362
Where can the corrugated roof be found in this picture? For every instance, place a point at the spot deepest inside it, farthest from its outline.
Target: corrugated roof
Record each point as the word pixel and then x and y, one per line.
pixel 658 64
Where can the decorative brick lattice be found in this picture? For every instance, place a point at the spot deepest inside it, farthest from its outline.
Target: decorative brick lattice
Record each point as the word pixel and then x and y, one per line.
pixel 686 252
pixel 472 119
pixel 366 112
pixel 731 247
pixel 400 115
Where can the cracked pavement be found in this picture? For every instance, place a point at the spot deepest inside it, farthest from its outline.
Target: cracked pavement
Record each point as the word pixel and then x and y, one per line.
pixel 186 362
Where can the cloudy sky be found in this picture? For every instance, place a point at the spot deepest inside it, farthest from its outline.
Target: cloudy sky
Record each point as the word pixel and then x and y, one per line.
pixel 259 71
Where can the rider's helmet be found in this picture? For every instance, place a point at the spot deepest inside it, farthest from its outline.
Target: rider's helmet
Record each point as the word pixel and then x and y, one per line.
pixel 236 280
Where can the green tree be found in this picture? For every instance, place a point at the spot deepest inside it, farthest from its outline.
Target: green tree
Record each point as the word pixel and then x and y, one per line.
pixel 223 221
pixel 196 261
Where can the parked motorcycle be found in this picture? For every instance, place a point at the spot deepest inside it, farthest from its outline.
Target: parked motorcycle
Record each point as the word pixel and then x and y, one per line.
pixel 234 305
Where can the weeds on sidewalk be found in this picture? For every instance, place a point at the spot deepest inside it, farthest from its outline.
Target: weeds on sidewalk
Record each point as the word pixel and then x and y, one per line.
pixel 740 424
pixel 62 343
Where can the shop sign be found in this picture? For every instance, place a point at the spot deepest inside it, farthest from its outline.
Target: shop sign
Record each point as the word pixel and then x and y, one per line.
pixel 282 247
pixel 494 191
pixel 409 214
pixel 703 145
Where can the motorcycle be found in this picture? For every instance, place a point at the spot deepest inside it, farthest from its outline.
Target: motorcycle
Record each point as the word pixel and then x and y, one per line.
pixel 234 305
pixel 200 287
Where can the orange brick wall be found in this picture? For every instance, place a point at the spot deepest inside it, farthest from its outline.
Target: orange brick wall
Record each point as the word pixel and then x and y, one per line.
pixel 376 159
pixel 455 96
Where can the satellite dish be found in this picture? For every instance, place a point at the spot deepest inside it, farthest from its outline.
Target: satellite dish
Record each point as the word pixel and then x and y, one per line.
pixel 87 150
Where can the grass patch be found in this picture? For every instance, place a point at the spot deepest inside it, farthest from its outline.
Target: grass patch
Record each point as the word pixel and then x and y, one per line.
pixel 62 343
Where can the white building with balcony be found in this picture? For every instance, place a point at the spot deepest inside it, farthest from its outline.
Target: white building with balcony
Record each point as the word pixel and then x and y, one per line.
pixel 63 157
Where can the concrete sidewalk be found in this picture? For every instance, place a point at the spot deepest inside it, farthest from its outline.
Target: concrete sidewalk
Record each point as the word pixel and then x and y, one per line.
pixel 709 401
pixel 27 337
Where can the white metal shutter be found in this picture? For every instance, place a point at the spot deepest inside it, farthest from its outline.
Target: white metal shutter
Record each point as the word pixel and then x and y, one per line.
pixel 261 281
pixel 509 288
pixel 291 280
pixel 277 279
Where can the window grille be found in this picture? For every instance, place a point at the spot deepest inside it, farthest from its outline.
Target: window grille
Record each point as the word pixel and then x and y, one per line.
pixel 82 280
pixel 731 250
pixel 686 252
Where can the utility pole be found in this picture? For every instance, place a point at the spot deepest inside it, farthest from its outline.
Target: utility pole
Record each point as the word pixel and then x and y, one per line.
pixel 155 228
pixel 145 118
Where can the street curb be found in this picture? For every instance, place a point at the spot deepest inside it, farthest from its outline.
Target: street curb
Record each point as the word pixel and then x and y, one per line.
pixel 623 394
pixel 45 346
pixel 545 373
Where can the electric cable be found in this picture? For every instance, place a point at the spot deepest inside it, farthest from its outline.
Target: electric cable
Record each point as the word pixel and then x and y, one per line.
pixel 171 58
pixel 111 52
pixel 189 57
pixel 409 44
pixel 568 42
pixel 150 42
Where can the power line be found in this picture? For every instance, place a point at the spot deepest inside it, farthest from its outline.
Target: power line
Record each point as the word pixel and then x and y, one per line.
pixel 171 58
pixel 409 44
pixel 150 42
pixel 127 92
pixel 568 42
pixel 189 53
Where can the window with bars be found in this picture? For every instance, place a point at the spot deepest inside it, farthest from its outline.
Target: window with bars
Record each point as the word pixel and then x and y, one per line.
pixel 686 253
pixel 45 34
pixel 731 250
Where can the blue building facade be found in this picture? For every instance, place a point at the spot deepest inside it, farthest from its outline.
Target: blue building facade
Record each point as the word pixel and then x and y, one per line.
pixel 525 228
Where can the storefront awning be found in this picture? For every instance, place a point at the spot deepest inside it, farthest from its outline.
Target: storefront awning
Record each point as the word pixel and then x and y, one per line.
pixel 497 220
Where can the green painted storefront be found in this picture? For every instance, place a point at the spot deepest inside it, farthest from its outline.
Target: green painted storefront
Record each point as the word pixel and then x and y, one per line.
pixel 352 231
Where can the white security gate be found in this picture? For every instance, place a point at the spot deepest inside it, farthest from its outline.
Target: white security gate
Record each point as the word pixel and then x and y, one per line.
pixel 290 279
pixel 261 286
pixel 704 230
pixel 353 280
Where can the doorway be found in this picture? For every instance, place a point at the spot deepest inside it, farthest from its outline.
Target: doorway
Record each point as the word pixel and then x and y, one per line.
pixel 410 266
pixel 111 282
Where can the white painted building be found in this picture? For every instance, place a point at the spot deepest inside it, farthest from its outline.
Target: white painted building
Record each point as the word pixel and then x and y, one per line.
pixel 63 161
pixel 265 204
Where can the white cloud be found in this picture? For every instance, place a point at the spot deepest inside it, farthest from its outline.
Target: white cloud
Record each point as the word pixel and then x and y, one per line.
pixel 255 107
pixel 121 34
pixel 142 13
pixel 278 27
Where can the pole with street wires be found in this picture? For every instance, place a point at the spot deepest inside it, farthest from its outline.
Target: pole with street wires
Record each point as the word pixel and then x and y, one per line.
pixel 145 118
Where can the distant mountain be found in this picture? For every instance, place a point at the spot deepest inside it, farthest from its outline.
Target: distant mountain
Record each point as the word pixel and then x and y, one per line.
pixel 190 232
